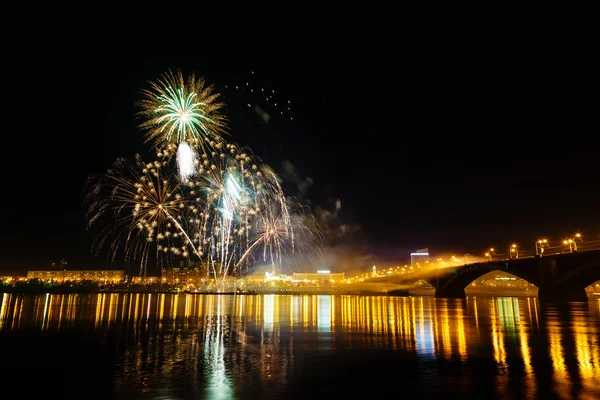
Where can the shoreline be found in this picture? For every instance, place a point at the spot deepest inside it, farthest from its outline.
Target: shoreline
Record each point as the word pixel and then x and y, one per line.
pixel 267 292
pixel 315 292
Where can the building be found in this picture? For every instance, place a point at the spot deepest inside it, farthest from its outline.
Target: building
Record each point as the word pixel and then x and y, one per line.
pixel 255 279
pixel 145 280
pixel 258 279
pixel 419 258
pixel 319 276
pixel 101 276
pixel 183 275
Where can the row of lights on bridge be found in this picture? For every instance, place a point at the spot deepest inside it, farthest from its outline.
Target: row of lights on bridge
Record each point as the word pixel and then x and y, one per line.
pixel 543 243
pixel 540 244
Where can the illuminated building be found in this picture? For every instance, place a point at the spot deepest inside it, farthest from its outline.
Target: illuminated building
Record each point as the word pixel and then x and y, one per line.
pixel 103 276
pixel 145 280
pixel 255 279
pixel 183 275
pixel 421 256
pixel 266 277
pixel 319 276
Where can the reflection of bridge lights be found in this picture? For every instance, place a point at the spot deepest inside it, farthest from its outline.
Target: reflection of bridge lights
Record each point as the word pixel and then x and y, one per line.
pixel 424 337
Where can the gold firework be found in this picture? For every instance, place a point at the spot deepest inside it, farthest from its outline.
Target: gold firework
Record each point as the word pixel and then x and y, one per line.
pixel 176 111
pixel 144 206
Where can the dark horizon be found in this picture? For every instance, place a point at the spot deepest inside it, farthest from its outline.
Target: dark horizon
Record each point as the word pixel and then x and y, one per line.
pixel 453 159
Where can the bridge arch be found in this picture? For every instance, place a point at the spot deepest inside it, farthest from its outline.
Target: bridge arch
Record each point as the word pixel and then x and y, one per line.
pixel 593 289
pixel 573 283
pixel 501 283
pixel 582 276
pixel 455 285
pixel 424 282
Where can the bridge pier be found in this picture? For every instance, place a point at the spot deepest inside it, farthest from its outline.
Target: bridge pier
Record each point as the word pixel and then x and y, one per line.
pixel 562 294
pixel 450 293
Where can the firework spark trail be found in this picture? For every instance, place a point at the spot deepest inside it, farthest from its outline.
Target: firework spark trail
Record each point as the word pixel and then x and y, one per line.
pixel 186 158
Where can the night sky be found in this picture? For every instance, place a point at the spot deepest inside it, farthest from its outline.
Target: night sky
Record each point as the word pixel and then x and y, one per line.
pixel 453 154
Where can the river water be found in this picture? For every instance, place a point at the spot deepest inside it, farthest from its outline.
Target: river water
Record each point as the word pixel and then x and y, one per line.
pixel 185 346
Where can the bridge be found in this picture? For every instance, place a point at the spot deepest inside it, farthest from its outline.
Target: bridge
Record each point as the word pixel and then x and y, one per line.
pixel 559 277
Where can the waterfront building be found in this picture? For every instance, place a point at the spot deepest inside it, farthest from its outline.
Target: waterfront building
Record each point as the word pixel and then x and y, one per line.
pixel 101 276
pixel 145 280
pixel 319 276
pixel 419 258
pixel 255 279
pixel 260 278
pixel 183 275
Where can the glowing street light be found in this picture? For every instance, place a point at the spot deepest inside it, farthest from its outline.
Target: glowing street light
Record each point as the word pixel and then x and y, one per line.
pixel 487 254
pixel 513 251
pixel 575 237
pixel 539 246
pixel 572 243
pixel 452 259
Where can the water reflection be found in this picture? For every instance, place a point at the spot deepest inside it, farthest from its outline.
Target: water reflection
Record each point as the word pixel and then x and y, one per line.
pixel 324 315
pixel 222 346
pixel 218 383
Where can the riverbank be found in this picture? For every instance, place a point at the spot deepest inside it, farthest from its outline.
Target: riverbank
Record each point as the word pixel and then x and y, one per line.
pixel 40 287
pixel 239 292
pixel 347 290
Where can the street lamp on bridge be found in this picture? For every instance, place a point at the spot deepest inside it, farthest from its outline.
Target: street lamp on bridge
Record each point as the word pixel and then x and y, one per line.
pixel 539 246
pixel 452 260
pixel 514 251
pixel 572 242
pixel 489 253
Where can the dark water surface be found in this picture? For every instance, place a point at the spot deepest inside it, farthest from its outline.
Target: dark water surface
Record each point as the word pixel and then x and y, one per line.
pixel 180 346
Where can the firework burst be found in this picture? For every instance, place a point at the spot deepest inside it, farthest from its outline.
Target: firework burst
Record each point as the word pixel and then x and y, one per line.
pixel 226 189
pixel 145 209
pixel 176 111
